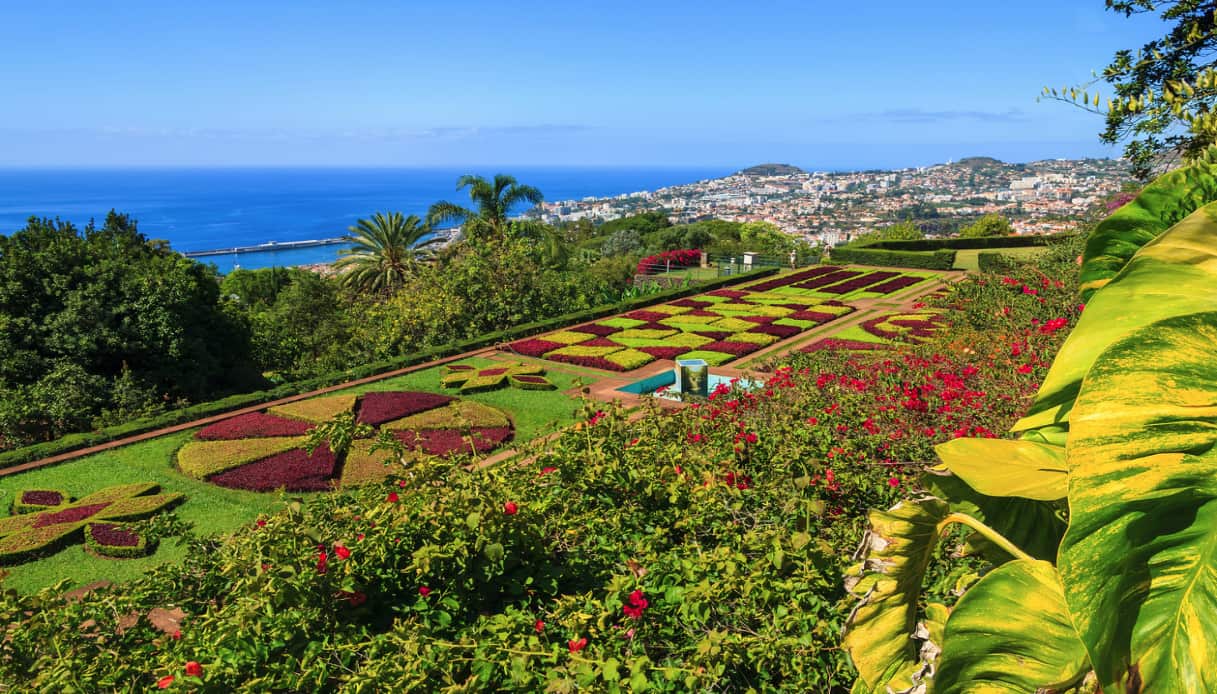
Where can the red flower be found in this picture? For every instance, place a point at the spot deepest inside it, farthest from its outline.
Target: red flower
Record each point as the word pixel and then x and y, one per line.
pixel 510 508
pixel 323 558
pixel 164 682
pixel 424 591
pixel 547 470
pixel 261 523
pixel 401 483
pixel 177 635
pixel 539 626
pixel 893 482
pixel 1025 369
pixel 679 470
pixel 342 552
pixel 193 669
pixel 392 498
pixel 576 646
pixel 637 603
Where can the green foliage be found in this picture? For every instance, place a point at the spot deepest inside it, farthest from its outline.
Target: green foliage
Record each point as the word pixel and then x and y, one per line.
pixel 901 231
pixel 493 201
pixel 623 242
pixel 102 319
pixel 385 251
pixel 1120 445
pixel 1163 94
pixel 987 226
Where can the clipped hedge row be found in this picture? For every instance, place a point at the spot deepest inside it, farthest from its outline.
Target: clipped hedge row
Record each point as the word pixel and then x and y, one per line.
pixel 943 259
pixel 135 427
pixel 993 262
pixel 961 244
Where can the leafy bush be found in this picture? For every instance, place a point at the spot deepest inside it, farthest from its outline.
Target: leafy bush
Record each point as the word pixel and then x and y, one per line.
pixel 931 260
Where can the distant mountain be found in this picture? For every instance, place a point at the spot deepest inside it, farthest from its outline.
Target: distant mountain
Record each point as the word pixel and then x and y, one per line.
pixel 771 170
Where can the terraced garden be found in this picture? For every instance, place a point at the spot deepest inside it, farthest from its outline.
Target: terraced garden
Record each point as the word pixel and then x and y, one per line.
pixel 723 325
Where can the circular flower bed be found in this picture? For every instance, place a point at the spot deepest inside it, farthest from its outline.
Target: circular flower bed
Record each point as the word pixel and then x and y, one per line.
pixel 264 451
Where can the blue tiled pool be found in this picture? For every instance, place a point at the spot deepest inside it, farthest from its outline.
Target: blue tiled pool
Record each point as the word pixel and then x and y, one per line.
pixel 649 385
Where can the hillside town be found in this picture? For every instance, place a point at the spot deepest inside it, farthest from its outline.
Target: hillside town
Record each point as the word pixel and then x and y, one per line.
pixel 832 207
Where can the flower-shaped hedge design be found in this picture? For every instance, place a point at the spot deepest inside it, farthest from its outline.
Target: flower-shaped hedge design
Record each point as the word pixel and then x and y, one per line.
pixel 45 520
pixel 264 451
pixel 470 379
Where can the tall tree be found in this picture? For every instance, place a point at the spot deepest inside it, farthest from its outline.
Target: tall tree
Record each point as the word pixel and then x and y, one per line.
pixel 1164 94
pixel 492 202
pixel 387 250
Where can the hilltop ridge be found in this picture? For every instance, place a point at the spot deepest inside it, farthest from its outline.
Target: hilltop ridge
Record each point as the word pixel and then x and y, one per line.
pixel 770 170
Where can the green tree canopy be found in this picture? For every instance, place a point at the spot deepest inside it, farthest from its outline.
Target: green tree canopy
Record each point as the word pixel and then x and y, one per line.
pixel 83 310
pixel 492 203
pixel 387 249
pixel 988 225
pixel 1164 94
pixel 901 231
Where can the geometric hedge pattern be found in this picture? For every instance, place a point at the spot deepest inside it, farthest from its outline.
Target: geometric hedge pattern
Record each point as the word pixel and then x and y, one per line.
pixel 39 527
pixel 470 379
pixel 264 451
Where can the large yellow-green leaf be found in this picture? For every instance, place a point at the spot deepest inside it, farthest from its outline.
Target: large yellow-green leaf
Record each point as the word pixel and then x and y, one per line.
pixel 1139 560
pixel 894 555
pixel 1011 632
pixel 1033 526
pixel 1158 207
pixel 1176 274
pixel 999 467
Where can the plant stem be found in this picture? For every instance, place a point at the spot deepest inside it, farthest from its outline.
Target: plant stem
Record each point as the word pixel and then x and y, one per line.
pixel 989 534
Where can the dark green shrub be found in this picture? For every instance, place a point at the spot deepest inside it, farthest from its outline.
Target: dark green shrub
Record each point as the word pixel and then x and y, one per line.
pixel 942 259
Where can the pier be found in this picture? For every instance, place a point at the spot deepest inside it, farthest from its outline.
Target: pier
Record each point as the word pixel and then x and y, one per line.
pixel 268 246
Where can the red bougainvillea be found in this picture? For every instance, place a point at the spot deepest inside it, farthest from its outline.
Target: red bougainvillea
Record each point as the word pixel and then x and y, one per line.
pixel 660 262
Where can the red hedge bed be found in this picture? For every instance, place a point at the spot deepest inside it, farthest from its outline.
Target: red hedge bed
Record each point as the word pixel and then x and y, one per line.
pixel 599 342
pixel 716 334
pixel 592 362
pixel 894 285
pixel 293 470
pixel 534 347
pixel 830 278
pixel 252 426
pixel 110 535
pixel 594 329
pixel 794 278
pixel 763 320
pixel 860 282
pixel 378 408
pixel 648 316
pixel 728 293
pixel 782 331
pixel 735 348
pixel 449 441
pixel 691 303
pixel 664 352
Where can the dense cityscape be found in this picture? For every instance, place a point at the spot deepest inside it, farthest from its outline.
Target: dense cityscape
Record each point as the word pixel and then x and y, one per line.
pixel 831 208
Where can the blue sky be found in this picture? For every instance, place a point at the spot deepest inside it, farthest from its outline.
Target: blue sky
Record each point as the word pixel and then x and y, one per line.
pixel 414 83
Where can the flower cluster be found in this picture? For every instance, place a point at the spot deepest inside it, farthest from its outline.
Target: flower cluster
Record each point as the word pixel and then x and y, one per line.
pixel 660 262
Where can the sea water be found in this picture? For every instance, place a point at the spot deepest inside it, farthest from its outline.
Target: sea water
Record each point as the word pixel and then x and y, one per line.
pixel 206 209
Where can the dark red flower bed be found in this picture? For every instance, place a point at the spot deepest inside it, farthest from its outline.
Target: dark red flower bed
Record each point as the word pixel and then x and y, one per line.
pixel 736 348
pixel 728 293
pixel 648 316
pixel 599 342
pixel 653 326
pixel 292 470
pixel 460 367
pixel 450 441
pixel 763 320
pixel 919 328
pixel 42 498
pixel 835 344
pixel 691 303
pixel 252 425
pixel 664 352
pixel 782 331
pixel 817 316
pixel 531 379
pixel 715 334
pixel 894 285
pixel 860 282
pixel 827 279
pixel 793 278
pixel 591 362
pixel 534 347
pixel 110 535
pixel 68 515
pixel 702 312
pixel 595 329
pixel 492 372
pixel 378 408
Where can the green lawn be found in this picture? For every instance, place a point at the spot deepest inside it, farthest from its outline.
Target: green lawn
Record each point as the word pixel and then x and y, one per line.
pixel 967 259
pixel 215 509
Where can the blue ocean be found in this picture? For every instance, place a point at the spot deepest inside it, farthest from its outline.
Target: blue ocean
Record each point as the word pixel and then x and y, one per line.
pixel 204 209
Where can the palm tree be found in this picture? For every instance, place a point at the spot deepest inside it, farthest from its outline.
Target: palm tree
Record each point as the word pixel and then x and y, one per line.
pixel 387 250
pixel 492 200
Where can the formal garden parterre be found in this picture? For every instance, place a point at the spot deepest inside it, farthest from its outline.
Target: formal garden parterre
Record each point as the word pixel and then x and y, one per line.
pixel 722 325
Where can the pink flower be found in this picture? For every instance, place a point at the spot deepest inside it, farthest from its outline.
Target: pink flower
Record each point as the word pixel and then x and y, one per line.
pixel 893 482
pixel 424 591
